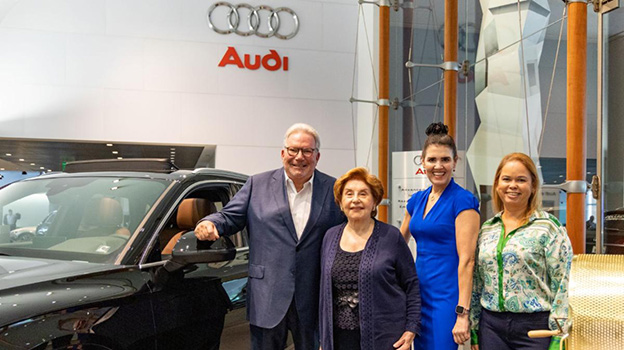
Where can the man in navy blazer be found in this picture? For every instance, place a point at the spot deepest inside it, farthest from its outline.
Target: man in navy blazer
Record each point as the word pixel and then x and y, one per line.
pixel 287 212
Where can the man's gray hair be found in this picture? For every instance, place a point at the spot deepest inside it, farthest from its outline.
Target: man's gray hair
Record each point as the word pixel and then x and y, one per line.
pixel 305 128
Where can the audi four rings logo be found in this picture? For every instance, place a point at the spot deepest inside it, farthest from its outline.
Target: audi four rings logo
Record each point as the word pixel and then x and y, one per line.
pixel 418 160
pixel 254 16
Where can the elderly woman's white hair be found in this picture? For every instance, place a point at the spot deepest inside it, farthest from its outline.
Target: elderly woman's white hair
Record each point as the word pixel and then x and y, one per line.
pixel 305 128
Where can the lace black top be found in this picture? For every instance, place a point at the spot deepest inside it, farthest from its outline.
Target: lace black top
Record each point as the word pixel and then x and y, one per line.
pixel 345 277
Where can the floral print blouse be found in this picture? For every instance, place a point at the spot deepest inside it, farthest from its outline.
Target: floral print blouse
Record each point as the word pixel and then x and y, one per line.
pixel 525 271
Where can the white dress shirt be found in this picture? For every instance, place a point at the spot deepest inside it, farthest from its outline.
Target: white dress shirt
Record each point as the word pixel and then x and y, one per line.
pixel 300 203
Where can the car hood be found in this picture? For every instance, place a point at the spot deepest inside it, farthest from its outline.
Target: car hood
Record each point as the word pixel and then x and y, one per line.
pixel 24 229
pixel 16 272
pixel 30 287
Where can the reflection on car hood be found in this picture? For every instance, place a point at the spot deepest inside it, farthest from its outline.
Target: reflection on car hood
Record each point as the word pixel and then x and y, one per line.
pixel 15 272
pixel 30 287
pixel 24 229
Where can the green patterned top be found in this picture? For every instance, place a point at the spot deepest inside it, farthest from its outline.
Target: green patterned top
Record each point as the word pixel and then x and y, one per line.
pixel 530 265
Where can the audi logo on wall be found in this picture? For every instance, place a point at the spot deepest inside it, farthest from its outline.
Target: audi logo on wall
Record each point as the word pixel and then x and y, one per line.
pixel 245 20
pixel 418 160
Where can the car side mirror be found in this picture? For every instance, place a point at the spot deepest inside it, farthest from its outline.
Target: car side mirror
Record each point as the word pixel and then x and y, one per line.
pixel 189 250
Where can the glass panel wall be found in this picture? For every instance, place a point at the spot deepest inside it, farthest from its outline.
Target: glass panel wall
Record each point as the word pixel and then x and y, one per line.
pixel 513 97
pixel 613 143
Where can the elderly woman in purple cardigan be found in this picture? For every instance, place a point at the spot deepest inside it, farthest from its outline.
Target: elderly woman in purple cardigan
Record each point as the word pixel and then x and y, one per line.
pixel 370 297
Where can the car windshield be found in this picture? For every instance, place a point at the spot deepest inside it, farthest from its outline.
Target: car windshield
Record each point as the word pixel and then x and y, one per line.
pixel 74 218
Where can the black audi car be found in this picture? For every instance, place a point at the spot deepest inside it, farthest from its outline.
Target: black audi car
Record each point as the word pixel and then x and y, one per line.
pixel 118 266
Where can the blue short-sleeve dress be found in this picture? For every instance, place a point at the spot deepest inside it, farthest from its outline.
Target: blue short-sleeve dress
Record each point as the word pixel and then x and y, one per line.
pixel 437 261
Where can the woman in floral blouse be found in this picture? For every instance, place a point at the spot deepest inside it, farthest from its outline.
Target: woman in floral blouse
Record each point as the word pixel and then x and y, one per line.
pixel 523 263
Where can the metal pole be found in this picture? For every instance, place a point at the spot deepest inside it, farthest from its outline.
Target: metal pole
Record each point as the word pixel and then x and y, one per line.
pixel 408 117
pixel 384 85
pixel 576 121
pixel 599 146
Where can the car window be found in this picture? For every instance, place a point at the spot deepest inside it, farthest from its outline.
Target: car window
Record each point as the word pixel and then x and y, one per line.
pixel 75 218
pixel 197 204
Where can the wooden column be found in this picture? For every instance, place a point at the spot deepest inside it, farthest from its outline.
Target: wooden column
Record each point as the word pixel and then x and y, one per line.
pixel 450 76
pixel 384 85
pixel 576 121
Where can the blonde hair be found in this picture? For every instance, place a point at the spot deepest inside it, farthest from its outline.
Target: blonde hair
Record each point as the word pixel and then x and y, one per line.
pixel 535 199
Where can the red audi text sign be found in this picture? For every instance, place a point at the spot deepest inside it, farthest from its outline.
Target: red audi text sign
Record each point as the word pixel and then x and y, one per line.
pixel 271 61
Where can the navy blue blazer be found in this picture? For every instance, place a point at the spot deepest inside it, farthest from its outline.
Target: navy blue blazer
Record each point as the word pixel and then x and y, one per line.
pixel 280 266
pixel 389 291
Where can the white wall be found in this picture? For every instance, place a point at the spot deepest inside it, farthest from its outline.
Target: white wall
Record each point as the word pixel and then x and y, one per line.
pixel 147 71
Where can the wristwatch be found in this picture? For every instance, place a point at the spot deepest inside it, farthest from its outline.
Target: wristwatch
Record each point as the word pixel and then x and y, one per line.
pixel 460 310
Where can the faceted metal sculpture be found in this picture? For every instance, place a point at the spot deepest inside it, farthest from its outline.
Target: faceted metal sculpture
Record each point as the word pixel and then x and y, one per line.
pixel 507 89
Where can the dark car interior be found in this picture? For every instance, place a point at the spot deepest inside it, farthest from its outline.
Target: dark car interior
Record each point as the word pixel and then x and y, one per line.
pixel 188 214
pixel 197 205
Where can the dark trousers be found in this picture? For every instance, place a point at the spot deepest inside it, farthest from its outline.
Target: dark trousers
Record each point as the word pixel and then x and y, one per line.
pixel 508 330
pixel 305 338
pixel 345 339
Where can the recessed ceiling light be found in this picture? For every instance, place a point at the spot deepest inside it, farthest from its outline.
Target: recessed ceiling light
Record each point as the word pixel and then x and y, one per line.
pixel 109 145
pixel 8 154
pixel 119 157
pixel 49 170
pixel 115 152
pixel 560 175
pixel 41 167
pixel 21 159
pixel 32 163
pixel 172 148
pixel 1 168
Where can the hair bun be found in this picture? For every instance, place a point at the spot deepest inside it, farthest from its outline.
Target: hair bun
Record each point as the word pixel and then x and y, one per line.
pixel 437 129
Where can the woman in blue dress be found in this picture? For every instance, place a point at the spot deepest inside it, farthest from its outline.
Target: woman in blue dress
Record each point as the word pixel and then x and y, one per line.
pixel 444 221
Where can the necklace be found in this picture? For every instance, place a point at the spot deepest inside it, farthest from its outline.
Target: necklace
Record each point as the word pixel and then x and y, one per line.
pixel 433 197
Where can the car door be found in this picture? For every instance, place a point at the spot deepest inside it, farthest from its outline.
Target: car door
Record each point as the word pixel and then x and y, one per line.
pixel 191 306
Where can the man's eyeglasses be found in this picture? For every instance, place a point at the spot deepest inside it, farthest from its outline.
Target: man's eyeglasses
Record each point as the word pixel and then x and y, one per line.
pixel 293 151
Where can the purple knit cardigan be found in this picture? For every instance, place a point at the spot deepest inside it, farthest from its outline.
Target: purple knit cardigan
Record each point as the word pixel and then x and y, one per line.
pixel 388 288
